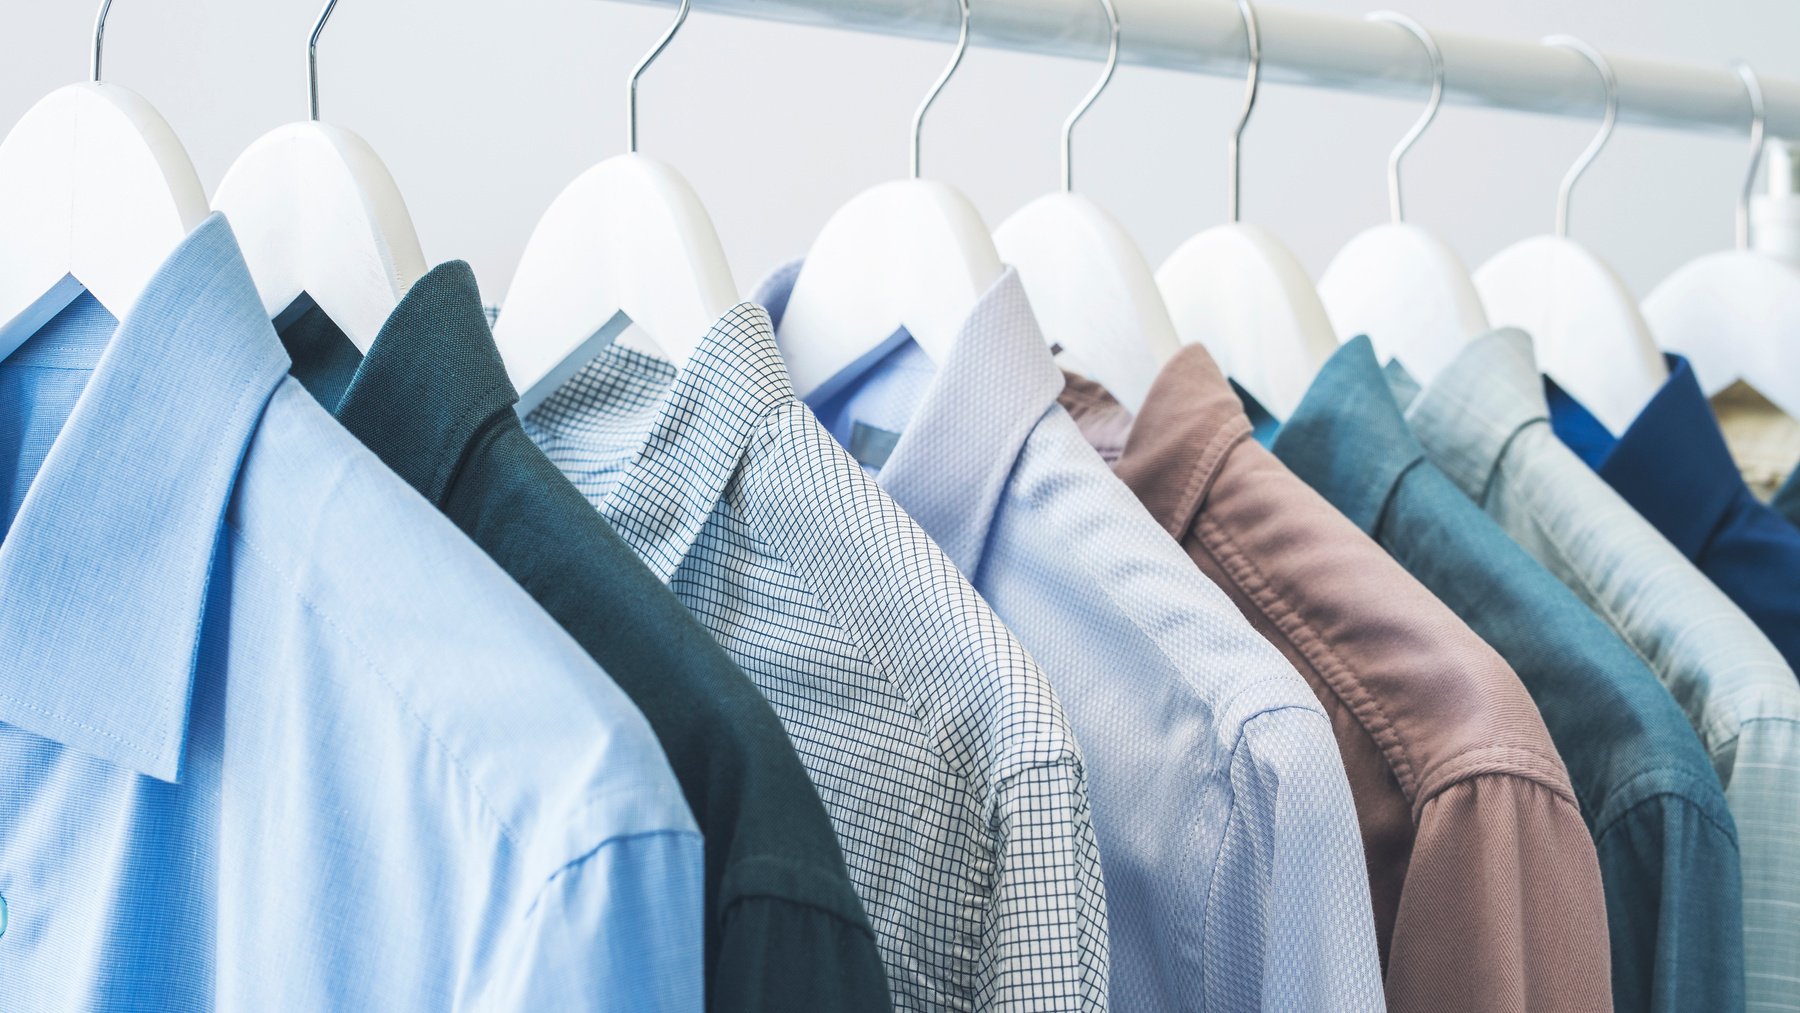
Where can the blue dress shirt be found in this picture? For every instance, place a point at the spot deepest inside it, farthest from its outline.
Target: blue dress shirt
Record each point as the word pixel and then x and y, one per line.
pixel 1672 465
pixel 261 715
pixel 1234 868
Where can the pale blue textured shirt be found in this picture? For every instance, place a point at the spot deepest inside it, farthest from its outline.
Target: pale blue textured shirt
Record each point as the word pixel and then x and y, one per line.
pixel 1234 867
pixel 277 736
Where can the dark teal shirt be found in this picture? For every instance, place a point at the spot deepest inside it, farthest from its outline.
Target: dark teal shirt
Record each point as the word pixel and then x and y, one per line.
pixel 1667 846
pixel 784 929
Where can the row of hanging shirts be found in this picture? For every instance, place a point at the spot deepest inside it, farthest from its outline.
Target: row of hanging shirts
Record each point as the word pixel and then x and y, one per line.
pixel 96 190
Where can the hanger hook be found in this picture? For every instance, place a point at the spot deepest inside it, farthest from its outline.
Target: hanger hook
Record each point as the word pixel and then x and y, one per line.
pixel 631 117
pixel 1112 64
pixel 1611 83
pixel 312 59
pixel 1757 119
pixel 1252 36
pixel 1436 58
pixel 99 35
pixel 962 46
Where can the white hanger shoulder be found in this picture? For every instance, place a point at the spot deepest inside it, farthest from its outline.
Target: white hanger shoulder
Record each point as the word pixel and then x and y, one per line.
pixel 1409 292
pixel 628 242
pixel 95 193
pixel 1237 290
pixel 1093 292
pixel 318 214
pixel 1584 324
pixel 910 253
pixel 1735 315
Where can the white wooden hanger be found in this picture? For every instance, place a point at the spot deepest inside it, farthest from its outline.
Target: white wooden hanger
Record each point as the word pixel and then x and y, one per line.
pixel 1400 284
pixel 911 254
pixel 95 193
pixel 319 217
pixel 627 244
pixel 1735 315
pixel 1239 291
pixel 1089 284
pixel 1584 323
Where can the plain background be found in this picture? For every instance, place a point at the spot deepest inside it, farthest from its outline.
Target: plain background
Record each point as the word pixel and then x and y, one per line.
pixel 485 110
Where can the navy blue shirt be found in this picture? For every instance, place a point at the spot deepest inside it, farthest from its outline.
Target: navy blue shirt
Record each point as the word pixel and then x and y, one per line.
pixel 1668 848
pixel 1673 466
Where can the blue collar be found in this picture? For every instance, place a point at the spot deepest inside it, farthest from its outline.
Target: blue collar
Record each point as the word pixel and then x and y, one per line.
pixel 1672 464
pixel 1347 437
pixel 952 462
pixel 106 565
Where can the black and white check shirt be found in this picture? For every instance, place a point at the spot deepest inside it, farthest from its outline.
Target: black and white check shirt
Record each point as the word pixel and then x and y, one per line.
pixel 942 754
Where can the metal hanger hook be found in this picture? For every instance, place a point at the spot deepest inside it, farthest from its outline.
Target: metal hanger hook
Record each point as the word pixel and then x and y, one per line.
pixel 1436 57
pixel 1253 37
pixel 918 123
pixel 1611 83
pixel 312 60
pixel 1112 64
pixel 631 116
pixel 99 36
pixel 1758 117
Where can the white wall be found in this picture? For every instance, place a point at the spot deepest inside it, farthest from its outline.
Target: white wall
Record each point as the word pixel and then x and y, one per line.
pixel 484 109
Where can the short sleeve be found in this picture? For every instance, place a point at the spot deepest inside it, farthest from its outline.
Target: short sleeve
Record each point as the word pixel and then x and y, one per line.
pixel 1289 923
pixel 1503 908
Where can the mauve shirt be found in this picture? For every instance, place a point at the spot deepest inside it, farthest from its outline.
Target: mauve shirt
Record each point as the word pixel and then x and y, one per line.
pixel 1484 880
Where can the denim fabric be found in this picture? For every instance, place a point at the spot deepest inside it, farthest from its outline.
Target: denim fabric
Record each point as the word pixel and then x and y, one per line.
pixel 1667 846
pixel 265 739
pixel 1234 872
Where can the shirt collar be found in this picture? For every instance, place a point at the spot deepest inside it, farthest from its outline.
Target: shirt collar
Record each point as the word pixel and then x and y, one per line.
pixel 1672 464
pixel 1470 413
pixel 432 380
pixel 1190 421
pixel 957 449
pixel 107 564
pixel 1347 438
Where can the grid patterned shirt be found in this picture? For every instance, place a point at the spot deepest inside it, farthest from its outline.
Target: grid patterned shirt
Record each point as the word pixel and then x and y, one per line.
pixel 1234 872
pixel 939 749
pixel 1485 423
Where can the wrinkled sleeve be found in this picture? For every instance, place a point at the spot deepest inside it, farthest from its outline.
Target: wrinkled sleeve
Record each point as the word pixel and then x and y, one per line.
pixel 756 970
pixel 1044 937
pixel 1502 907
pixel 1674 904
pixel 619 929
pixel 1289 923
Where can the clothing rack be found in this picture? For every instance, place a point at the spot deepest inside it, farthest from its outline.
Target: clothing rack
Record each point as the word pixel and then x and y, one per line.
pixel 1320 50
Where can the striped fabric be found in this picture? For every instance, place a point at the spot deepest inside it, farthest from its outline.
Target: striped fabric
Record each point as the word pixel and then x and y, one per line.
pixel 1485 423
pixel 937 745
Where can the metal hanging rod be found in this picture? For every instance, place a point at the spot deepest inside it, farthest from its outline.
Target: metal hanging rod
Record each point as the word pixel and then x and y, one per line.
pixel 1321 50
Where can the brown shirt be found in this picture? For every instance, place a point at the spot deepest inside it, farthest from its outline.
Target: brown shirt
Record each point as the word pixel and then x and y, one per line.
pixel 1485 886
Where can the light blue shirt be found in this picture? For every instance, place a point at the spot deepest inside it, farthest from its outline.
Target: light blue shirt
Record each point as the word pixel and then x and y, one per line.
pixel 1234 867
pixel 277 737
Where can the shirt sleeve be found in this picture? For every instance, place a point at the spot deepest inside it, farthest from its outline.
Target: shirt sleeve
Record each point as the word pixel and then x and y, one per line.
pixel 1502 907
pixel 1289 923
pixel 1674 902
pixel 1764 795
pixel 1044 942
pixel 621 928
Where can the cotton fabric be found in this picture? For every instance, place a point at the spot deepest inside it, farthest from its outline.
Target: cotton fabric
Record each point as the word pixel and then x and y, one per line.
pixel 1225 823
pixel 1764 440
pixel 941 752
pixel 1484 423
pixel 784 928
pixel 1451 765
pixel 265 742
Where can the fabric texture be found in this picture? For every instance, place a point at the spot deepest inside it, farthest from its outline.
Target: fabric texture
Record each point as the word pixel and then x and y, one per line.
pixel 1449 761
pixel 1226 828
pixel 263 728
pixel 941 752
pixel 1672 465
pixel 1764 440
pixel 784 928
pixel 1666 844
pixel 1484 423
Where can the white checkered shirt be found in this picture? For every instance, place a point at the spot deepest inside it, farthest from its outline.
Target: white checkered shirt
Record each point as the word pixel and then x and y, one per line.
pixel 940 750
